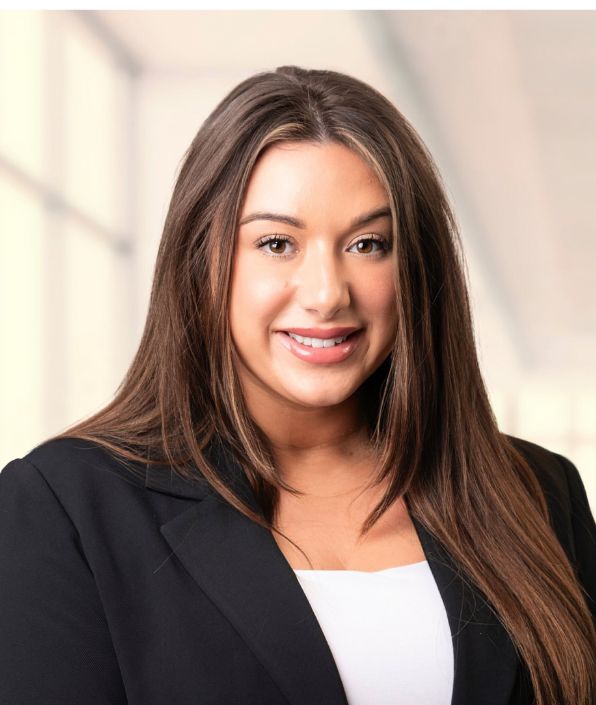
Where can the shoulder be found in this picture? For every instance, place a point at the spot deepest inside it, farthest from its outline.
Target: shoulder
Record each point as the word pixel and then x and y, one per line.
pixel 76 459
pixel 559 478
pixel 570 513
pixel 76 472
pixel 550 468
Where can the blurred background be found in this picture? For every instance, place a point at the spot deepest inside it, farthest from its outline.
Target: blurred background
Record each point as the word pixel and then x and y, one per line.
pixel 98 107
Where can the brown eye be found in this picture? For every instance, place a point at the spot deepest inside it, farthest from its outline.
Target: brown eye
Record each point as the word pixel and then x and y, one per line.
pixel 364 246
pixel 274 245
pixel 277 246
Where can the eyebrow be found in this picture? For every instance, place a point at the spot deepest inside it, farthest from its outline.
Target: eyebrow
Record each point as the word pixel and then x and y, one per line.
pixel 382 212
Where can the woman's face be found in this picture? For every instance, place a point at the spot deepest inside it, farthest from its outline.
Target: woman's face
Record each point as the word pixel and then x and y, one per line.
pixel 303 261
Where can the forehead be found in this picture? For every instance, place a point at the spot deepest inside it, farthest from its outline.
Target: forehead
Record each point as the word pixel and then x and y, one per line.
pixel 315 177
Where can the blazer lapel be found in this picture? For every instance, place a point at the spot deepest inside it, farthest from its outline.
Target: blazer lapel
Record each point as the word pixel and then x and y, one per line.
pixel 240 568
pixel 485 661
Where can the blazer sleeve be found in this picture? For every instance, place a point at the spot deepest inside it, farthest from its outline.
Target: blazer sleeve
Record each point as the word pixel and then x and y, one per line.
pixel 55 645
pixel 583 532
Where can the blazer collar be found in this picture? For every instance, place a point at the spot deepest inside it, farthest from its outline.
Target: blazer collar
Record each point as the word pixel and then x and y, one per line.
pixel 241 569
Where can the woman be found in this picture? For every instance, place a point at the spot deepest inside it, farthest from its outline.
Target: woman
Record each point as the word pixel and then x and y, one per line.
pixel 299 493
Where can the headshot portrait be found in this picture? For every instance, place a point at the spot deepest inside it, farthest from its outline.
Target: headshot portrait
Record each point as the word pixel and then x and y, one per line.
pixel 298 407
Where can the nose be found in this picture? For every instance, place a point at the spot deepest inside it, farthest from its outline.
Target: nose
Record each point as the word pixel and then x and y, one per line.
pixel 322 285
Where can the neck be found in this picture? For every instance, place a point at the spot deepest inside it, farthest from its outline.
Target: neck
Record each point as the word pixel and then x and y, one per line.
pixel 295 430
pixel 319 450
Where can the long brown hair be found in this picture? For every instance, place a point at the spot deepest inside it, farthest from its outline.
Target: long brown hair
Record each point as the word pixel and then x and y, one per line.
pixel 430 420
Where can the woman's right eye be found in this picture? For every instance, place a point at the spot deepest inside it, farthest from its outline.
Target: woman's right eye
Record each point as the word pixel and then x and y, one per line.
pixel 278 245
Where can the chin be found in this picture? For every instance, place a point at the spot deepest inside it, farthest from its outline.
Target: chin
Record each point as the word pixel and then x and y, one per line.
pixel 319 397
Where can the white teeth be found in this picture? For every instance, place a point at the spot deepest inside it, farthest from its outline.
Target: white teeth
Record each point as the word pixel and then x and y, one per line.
pixel 317 342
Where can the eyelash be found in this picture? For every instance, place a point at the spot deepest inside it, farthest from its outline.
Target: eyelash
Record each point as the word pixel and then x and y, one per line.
pixel 283 238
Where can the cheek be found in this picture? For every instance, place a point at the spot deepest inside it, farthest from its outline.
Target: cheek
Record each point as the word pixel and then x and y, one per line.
pixel 376 295
pixel 256 298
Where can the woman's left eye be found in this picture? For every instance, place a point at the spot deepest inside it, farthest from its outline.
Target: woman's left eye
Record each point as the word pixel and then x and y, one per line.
pixel 381 242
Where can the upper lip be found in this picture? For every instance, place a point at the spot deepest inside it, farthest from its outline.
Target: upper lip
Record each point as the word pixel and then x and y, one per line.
pixel 321 332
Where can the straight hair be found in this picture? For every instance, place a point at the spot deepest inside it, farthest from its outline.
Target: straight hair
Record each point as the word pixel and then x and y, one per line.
pixel 428 414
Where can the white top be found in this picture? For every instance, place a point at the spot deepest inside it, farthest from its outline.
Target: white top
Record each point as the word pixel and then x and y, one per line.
pixel 388 633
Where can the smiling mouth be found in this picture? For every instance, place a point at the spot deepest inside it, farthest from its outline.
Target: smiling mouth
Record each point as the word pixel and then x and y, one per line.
pixel 321 353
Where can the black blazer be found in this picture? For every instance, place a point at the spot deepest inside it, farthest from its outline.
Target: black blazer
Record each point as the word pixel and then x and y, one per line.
pixel 151 590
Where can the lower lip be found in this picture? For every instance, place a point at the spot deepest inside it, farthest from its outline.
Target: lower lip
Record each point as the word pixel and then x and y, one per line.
pixel 321 356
